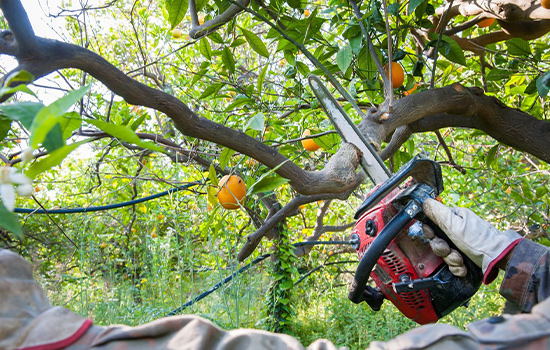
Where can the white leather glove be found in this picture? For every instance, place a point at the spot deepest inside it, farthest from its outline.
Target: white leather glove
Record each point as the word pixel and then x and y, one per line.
pixel 475 237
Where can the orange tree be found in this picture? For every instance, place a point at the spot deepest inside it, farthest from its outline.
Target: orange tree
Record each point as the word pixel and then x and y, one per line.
pixel 235 89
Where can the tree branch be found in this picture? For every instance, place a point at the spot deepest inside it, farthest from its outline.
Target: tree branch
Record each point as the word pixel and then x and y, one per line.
pixel 458 106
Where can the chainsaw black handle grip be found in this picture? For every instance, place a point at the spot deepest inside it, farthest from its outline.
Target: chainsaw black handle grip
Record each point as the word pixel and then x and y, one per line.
pixel 377 247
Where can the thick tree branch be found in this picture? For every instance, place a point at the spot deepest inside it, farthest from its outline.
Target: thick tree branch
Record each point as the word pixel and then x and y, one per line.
pixel 456 105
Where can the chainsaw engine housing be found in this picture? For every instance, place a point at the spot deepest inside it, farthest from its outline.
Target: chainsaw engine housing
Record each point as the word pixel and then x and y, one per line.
pixel 408 273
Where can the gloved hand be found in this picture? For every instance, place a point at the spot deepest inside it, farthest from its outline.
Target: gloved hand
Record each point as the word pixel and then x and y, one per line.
pixel 475 237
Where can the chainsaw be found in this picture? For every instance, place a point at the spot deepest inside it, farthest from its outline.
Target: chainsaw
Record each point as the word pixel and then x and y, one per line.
pixel 391 233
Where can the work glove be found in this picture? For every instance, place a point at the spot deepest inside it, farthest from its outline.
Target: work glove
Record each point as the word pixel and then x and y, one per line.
pixel 475 237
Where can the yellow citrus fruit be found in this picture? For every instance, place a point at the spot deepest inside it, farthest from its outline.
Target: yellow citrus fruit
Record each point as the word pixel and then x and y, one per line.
pixel 486 22
pixel 413 89
pixel 545 4
pixel 231 191
pixel 176 33
pixel 309 144
pixel 397 75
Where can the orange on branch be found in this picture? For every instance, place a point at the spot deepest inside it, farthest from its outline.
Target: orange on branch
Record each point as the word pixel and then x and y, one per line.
pixel 231 191
pixel 306 13
pixel 309 144
pixel 176 33
pixel 397 75
pixel 413 89
pixel 486 22
pixel 545 4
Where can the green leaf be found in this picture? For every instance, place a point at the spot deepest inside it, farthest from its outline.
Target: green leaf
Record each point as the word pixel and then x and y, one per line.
pixel 257 122
pixel 21 76
pixel 532 87
pixel 289 57
pixel 328 142
pixel 123 133
pixel 216 37
pixel 50 115
pixel 228 60
pixel 261 78
pixel 497 74
pixel 239 102
pixel 10 221
pixel 5 126
pixel 212 175
pixel 13 90
pixel 541 191
pixel 176 11
pixel 255 42
pixel 449 48
pixel 344 58
pixel 489 159
pixel 413 4
pixel 518 46
pixel 225 156
pixel 268 184
pixel 302 68
pixel 237 42
pixel 54 139
pixel 210 90
pixel 55 158
pixel 543 84
pixel 23 112
pixel 138 122
pixel 205 48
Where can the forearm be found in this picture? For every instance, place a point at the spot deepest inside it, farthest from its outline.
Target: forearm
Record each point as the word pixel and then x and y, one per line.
pixel 527 277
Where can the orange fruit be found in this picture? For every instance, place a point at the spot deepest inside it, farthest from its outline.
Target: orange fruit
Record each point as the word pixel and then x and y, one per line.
pixel 231 191
pixel 486 22
pixel 413 89
pixel 154 235
pixel 176 33
pixel 36 189
pixel 309 144
pixel 302 207
pixel 306 13
pixel 545 4
pixel 397 74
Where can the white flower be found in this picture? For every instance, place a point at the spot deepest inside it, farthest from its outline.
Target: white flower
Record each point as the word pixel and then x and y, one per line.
pixel 8 178
pixel 27 155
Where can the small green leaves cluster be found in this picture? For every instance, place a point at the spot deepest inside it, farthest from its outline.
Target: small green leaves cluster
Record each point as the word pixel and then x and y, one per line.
pixel 279 307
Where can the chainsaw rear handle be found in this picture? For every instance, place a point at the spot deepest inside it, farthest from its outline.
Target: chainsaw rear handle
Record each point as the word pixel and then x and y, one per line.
pixel 377 247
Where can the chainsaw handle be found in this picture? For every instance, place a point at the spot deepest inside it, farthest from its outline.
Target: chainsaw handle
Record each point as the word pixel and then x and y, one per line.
pixel 377 247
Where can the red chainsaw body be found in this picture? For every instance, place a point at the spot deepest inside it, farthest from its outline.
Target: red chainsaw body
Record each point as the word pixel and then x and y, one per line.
pixel 402 257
